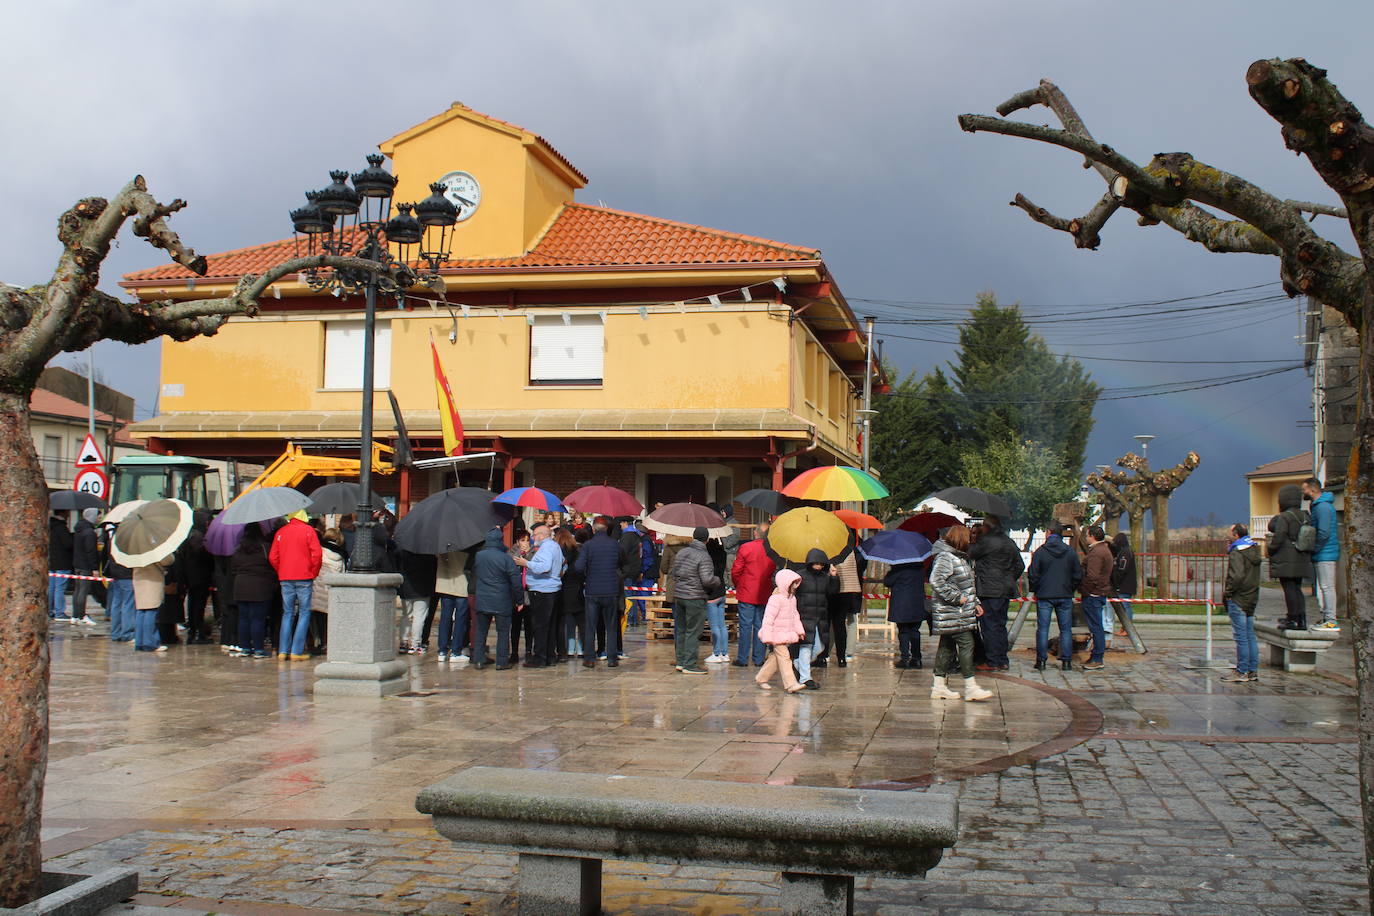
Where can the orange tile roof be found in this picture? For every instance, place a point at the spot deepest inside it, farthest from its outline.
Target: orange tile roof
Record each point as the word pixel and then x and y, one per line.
pixel 581 236
pixel 51 404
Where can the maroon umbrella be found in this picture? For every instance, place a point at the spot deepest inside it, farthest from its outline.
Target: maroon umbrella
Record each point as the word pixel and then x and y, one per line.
pixel 928 524
pixel 603 501
pixel 685 518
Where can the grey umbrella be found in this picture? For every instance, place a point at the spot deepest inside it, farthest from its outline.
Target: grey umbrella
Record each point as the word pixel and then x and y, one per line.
pixel 340 499
pixel 975 500
pixel 264 503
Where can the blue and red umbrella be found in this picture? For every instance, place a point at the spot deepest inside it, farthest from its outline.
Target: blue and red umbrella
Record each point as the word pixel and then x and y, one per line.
pixel 532 497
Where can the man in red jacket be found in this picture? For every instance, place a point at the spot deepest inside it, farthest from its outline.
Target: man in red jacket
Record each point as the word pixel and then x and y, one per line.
pixel 295 556
pixel 752 573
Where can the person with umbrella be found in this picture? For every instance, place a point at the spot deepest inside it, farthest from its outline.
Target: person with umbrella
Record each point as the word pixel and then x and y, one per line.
pixel 753 572
pixel 120 595
pixel 295 555
pixel 59 565
pixel 819 583
pixel 956 611
pixel 85 563
pixel 906 552
pixel 543 580
pixel 255 582
pixel 599 564
pixel 150 587
pixel 997 569
pixel 200 574
pixel 694 577
pixel 498 590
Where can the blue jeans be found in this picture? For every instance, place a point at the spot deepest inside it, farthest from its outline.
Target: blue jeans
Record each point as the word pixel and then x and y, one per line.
pixel 1243 630
pixel 1062 609
pixel 253 625
pixel 295 615
pixel 120 601
pixel 145 630
pixel 602 608
pixel 57 593
pixel 804 656
pixel 1093 606
pixel 636 610
pixel 720 636
pixel 750 618
pixel 453 623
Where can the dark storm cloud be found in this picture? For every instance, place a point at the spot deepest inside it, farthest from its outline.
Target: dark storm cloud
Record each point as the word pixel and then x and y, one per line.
pixel 818 123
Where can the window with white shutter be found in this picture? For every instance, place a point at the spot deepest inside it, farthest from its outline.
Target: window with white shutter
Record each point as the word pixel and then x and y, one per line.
pixel 567 351
pixel 343 355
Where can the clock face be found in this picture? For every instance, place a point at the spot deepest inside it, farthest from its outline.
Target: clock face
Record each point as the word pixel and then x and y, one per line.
pixel 463 192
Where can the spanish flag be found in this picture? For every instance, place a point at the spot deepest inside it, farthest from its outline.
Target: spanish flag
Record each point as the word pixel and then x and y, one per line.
pixel 449 420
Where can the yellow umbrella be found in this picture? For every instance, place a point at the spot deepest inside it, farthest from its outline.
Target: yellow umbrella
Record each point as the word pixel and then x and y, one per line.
pixel 797 532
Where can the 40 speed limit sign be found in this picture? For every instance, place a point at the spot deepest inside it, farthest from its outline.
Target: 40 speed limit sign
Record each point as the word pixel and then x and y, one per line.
pixel 92 481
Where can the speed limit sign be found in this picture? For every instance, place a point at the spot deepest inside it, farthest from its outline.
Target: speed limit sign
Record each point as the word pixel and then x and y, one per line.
pixel 92 481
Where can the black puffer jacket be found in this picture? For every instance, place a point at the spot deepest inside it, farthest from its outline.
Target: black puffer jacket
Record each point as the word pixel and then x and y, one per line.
pixel 1286 561
pixel 59 545
pixel 85 553
pixel 997 565
pixel 1123 565
pixel 813 592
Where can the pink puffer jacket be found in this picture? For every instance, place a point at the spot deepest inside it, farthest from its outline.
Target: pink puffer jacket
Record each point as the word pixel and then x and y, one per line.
pixel 782 624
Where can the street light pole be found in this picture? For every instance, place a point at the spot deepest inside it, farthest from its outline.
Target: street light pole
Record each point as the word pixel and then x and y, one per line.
pixel 868 388
pixel 363 546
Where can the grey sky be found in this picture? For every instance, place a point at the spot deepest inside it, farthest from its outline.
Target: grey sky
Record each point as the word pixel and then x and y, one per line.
pixel 829 124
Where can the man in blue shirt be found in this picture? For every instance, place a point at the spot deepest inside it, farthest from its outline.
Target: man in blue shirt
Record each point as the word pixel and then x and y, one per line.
pixel 543 579
pixel 1327 552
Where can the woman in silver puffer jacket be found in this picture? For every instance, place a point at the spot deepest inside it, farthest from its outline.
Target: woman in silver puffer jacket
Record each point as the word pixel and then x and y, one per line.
pixel 955 610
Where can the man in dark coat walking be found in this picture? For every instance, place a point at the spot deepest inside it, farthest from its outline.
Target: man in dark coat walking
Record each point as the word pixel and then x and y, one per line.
pixel 599 563
pixel 497 590
pixel 997 568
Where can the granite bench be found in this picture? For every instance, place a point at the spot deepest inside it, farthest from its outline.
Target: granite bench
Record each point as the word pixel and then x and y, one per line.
pixel 563 824
pixel 1295 650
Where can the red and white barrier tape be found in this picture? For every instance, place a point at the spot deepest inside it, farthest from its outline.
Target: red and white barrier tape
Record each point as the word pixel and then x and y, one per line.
pixel 54 575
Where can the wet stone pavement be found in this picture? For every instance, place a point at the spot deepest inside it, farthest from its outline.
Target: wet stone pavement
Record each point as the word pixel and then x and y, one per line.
pixel 1148 788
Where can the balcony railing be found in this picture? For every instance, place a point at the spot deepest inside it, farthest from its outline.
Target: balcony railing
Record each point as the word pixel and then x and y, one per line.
pixel 57 471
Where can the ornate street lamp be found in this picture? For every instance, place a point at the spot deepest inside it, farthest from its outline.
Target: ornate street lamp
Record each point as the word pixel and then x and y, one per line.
pixel 357 222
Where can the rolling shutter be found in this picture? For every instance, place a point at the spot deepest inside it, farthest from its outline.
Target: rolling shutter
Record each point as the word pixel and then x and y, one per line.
pixel 343 355
pixel 570 352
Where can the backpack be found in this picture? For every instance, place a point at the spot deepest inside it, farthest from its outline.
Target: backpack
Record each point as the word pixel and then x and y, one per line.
pixel 1306 540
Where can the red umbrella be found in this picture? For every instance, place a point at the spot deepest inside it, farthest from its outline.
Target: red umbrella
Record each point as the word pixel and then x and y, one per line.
pixel 603 501
pixel 858 521
pixel 929 524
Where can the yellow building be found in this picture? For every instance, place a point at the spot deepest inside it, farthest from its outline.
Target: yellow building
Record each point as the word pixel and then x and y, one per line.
pixel 582 344
pixel 1265 482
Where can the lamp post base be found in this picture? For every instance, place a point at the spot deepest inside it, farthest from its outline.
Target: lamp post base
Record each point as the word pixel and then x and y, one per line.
pixel 362 638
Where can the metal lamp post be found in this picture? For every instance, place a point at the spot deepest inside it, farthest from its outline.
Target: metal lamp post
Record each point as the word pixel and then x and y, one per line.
pixel 357 221
pixel 1144 441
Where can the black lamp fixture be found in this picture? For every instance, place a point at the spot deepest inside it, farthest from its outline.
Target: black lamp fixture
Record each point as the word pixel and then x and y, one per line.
pixel 355 220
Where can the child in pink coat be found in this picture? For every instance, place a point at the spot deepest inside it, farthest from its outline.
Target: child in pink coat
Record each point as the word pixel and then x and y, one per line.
pixel 781 628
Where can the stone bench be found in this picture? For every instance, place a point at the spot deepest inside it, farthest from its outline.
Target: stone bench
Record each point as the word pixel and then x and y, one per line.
pixel 1295 650
pixel 563 824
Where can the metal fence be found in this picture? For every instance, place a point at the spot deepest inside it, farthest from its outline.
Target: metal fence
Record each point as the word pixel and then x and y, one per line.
pixel 1187 573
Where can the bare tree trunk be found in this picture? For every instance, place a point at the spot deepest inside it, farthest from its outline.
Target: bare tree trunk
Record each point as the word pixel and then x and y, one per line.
pixel 24 659
pixel 1359 507
pixel 1113 525
pixel 1137 520
pixel 1159 514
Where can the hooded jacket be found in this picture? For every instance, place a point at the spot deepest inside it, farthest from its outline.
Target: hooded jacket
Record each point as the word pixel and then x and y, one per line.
pixel 997 565
pixel 199 562
pixel 1328 548
pixel 598 561
pixel 906 586
pixel 753 572
pixel 497 585
pixel 1123 565
pixel 295 551
pixel 254 577
pixel 813 594
pixel 1097 571
pixel 716 552
pixel 85 555
pixel 1055 571
pixel 693 572
pixel 1286 561
pixel 954 602
pixel 59 545
pixel 782 624
pixel 1243 574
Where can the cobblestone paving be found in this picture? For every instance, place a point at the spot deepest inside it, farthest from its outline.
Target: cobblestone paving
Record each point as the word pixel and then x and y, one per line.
pixel 1195 797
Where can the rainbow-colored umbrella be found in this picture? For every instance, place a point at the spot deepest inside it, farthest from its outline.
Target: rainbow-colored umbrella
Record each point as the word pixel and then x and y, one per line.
pixel 835 484
pixel 533 497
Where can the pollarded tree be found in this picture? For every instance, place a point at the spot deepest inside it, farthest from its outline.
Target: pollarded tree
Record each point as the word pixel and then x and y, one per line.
pixel 68 313
pixel 1178 191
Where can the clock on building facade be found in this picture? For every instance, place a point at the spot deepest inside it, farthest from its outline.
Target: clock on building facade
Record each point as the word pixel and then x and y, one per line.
pixel 463 191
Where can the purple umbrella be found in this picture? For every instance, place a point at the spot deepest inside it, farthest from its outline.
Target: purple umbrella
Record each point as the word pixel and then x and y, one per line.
pixel 222 540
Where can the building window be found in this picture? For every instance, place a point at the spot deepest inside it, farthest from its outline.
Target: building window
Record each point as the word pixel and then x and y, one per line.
pixel 53 466
pixel 567 351
pixel 343 355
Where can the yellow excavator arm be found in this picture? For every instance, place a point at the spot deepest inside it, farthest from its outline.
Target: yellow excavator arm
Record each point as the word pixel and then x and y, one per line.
pixel 294 465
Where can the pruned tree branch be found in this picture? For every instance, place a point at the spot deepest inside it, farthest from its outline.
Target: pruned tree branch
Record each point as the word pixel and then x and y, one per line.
pixel 1319 209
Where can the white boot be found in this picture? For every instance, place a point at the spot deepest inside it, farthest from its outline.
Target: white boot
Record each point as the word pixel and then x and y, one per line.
pixel 973 692
pixel 938 691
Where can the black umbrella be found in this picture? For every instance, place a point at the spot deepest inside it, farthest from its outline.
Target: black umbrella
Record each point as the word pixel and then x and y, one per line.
pixel 451 520
pixel 340 499
pixel 65 500
pixel 770 501
pixel 975 500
